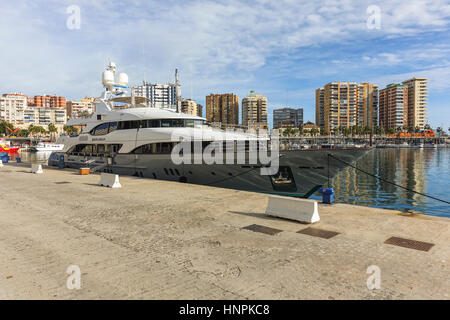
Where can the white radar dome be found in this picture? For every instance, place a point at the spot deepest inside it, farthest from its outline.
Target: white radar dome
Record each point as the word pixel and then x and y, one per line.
pixel 108 78
pixel 122 79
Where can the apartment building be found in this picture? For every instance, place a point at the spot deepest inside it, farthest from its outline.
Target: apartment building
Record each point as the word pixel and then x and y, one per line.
pixel 339 105
pixel 47 101
pixel 417 102
pixel 287 117
pixel 189 106
pixel 254 111
pixel 367 112
pixel 393 110
pixel 346 104
pixel 12 108
pixel 75 109
pixel 43 116
pixel 320 105
pixel 222 108
pixel 160 95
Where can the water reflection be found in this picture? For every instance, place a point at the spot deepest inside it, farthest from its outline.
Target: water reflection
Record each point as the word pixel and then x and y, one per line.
pixel 423 170
pixel 31 157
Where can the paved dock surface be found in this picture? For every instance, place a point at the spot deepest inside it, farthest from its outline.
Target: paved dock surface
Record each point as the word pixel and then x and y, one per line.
pixel 163 240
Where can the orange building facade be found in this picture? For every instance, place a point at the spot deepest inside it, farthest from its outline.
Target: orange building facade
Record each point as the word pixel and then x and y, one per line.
pixel 49 101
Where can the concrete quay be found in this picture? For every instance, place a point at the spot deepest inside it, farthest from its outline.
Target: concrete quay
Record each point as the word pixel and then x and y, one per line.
pixel 155 239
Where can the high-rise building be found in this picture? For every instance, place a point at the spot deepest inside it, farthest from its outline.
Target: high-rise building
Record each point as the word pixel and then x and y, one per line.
pixel 76 109
pixel 320 106
pixel 254 111
pixel 339 105
pixel 159 95
pixel 199 110
pixel 189 106
pixel 367 114
pixel 346 104
pixel 287 117
pixel 393 112
pixel 222 108
pixel 166 96
pixel 417 102
pixel 12 108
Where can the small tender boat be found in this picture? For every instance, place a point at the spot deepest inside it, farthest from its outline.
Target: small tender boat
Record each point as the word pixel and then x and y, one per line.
pixel 47 147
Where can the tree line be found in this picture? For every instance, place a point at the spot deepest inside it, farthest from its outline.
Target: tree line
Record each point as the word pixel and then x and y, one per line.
pixel 8 129
pixel 353 131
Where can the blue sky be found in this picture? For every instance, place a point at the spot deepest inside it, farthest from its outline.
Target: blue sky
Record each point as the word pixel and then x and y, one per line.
pixel 282 49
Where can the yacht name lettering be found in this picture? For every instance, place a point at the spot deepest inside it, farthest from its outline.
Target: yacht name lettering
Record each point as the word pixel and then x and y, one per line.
pixel 98 139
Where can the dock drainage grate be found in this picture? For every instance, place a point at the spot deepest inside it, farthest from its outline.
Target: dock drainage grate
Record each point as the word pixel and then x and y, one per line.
pixel 262 229
pixel 319 233
pixel 411 244
pixel 63 182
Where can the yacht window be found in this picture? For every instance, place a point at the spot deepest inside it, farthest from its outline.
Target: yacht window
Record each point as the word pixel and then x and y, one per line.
pixel 165 123
pixel 179 123
pixel 154 148
pixel 154 123
pixel 100 130
pixel 157 123
pixel 125 125
pixel 112 126
pixel 166 147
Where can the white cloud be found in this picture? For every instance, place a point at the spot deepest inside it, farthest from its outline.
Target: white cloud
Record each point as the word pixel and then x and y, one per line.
pixel 218 45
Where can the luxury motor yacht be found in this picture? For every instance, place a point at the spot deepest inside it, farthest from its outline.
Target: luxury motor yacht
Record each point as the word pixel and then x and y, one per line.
pixel 166 144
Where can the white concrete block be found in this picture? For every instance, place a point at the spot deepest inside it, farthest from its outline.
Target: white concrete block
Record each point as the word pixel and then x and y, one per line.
pixel 1 163
pixel 110 180
pixel 293 208
pixel 36 168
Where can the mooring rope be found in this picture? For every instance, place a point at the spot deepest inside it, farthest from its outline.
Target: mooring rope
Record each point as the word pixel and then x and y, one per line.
pixel 384 180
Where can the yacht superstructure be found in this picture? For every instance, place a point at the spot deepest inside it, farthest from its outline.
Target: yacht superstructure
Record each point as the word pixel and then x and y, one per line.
pixel 141 141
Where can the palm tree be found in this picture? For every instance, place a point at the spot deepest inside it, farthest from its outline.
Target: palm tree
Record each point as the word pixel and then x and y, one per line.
pixel 52 129
pixel 24 133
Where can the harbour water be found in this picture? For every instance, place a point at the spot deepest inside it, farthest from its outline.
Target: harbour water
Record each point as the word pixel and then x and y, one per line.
pixel 423 170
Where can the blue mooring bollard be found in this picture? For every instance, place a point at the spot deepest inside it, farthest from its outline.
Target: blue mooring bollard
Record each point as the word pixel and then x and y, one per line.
pixel 327 195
